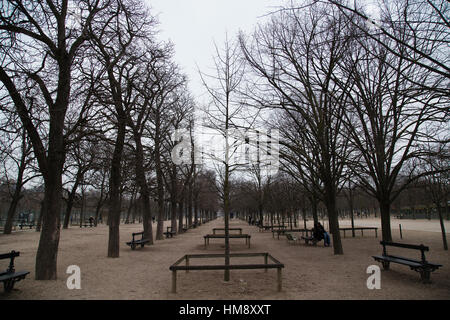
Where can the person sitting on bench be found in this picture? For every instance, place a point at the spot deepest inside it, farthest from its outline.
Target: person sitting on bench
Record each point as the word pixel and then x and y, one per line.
pixel 319 234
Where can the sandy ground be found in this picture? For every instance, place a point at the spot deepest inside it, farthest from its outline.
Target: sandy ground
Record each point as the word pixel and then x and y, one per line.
pixel 309 273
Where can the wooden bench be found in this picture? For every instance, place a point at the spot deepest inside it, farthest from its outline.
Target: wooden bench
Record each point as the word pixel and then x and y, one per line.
pixel 87 224
pixel 230 229
pixel 264 228
pixel 231 236
pixel 169 233
pixel 10 276
pixel 133 243
pixel 361 229
pixel 422 266
pixel 274 265
pixel 283 231
pixel 30 225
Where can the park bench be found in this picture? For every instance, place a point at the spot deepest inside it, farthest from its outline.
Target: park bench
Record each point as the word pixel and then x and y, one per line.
pixel 274 265
pixel 169 233
pixel 10 276
pixel 87 224
pixel 291 239
pixel 133 243
pixel 264 228
pixel 231 236
pixel 230 229
pixel 30 225
pixel 361 229
pixel 422 266
pixel 283 231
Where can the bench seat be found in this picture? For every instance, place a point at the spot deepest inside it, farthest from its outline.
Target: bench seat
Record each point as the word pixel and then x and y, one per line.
pixel 311 240
pixel 142 241
pixel 4 276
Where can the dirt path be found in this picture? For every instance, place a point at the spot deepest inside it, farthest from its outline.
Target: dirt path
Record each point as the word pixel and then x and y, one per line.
pixel 309 273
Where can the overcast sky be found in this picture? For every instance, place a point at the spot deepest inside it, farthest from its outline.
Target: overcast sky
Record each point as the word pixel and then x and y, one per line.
pixel 193 25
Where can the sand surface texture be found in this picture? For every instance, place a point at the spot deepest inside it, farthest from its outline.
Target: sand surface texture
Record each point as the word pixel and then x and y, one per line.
pixel 310 272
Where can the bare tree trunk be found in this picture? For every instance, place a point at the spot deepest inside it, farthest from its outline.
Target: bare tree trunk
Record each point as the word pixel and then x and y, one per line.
pixel 180 215
pixel 114 188
pixel 313 202
pixel 226 218
pixel 189 204
pixel 333 220
pixel 131 205
pixel 46 257
pixel 385 220
pixel 18 187
pixel 441 221
pixel 12 209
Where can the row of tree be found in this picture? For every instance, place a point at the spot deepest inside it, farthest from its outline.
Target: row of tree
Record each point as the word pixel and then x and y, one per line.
pixel 90 97
pixel 359 104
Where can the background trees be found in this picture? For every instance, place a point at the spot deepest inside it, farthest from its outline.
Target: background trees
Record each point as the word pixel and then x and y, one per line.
pixel 90 97
pixel 296 55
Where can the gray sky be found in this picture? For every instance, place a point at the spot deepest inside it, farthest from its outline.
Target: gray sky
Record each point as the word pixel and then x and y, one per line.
pixel 193 25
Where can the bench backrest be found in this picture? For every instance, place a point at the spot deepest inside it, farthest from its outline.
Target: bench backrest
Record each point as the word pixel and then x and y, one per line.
pixel 11 255
pixel 420 247
pixel 138 233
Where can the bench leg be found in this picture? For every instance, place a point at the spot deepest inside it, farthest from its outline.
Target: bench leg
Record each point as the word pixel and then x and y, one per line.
pixel 187 264
pixel 425 276
pixel 8 285
pixel 385 265
pixel 279 279
pixel 174 281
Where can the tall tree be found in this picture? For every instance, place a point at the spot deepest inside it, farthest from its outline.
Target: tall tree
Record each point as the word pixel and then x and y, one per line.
pixel 57 31
pixel 296 56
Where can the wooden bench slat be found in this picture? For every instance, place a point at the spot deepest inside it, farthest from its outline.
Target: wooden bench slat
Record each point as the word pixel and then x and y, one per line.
pixel 9 255
pixel 399 260
pixel 230 267
pixel 405 245
pixel 14 275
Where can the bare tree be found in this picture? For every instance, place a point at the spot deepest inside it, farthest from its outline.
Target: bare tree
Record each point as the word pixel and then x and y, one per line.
pixel 386 118
pixel 437 182
pixel 21 167
pixel 41 41
pixel 224 114
pixel 115 37
pixel 296 55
